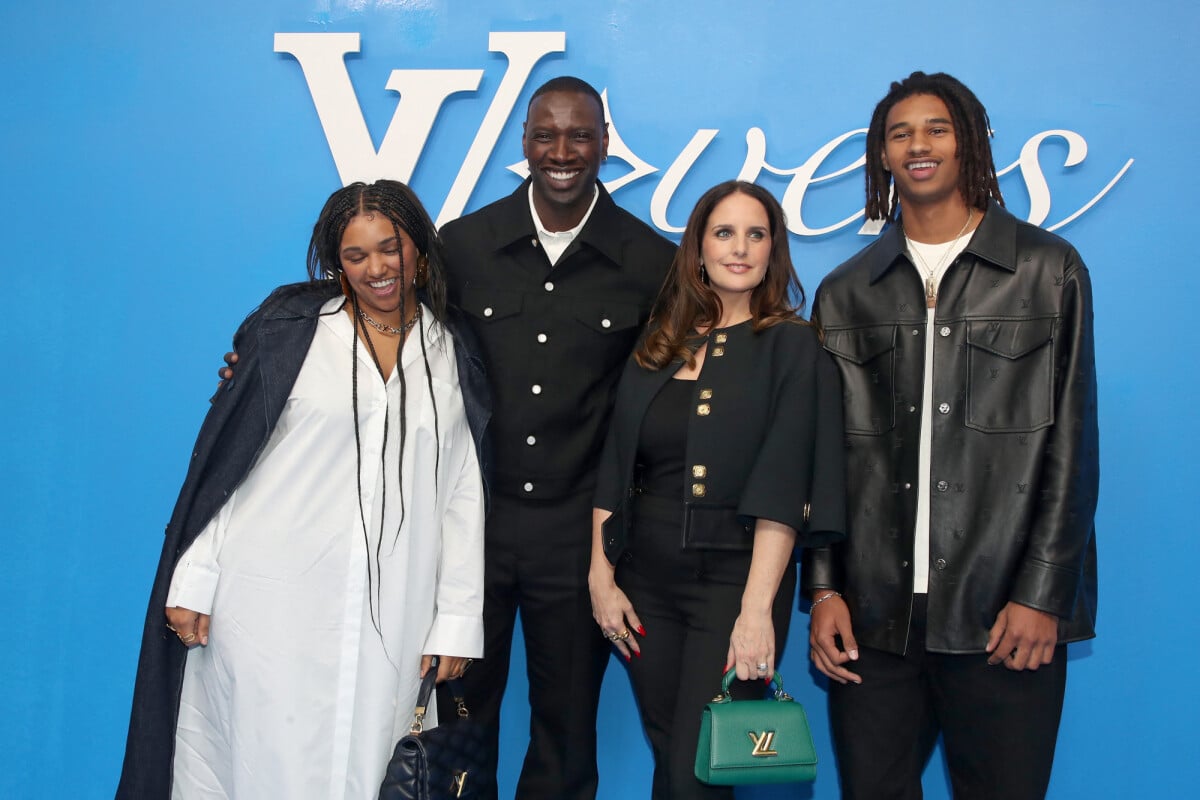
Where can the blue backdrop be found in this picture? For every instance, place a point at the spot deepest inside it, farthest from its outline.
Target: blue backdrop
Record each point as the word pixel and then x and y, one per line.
pixel 165 161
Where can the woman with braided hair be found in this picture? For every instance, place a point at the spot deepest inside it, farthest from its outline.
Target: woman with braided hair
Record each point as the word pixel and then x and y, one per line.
pixel 327 541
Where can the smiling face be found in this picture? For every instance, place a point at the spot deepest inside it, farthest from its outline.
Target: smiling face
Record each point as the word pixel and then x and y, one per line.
pixel 921 151
pixel 379 266
pixel 736 248
pixel 564 140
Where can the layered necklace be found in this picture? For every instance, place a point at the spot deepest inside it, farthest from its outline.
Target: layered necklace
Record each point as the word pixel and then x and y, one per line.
pixel 382 328
pixel 931 274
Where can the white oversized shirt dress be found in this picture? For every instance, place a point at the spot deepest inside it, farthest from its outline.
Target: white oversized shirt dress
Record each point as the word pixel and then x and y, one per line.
pixel 297 694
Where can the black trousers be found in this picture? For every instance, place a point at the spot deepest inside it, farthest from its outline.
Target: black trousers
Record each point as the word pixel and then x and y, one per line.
pixel 536 562
pixel 687 602
pixel 999 726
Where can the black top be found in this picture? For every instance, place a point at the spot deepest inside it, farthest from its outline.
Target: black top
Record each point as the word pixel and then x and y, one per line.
pixel 764 440
pixel 554 338
pixel 662 445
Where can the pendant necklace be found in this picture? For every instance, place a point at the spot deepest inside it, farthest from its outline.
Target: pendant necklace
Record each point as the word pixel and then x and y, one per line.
pixel 931 274
pixel 382 328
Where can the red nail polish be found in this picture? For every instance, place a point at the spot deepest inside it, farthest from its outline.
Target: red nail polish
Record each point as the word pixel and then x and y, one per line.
pixel 627 658
pixel 637 653
pixel 641 630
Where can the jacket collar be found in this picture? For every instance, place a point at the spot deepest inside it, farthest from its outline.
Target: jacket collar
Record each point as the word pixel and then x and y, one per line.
pixel 300 299
pixel 994 241
pixel 513 223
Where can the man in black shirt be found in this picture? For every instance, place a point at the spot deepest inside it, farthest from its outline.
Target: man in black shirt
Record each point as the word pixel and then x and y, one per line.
pixel 556 281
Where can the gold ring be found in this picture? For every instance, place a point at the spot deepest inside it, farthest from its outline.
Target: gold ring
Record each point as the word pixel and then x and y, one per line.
pixel 191 637
pixel 622 636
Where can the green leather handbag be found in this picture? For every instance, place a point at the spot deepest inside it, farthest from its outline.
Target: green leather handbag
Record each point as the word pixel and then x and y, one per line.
pixel 754 741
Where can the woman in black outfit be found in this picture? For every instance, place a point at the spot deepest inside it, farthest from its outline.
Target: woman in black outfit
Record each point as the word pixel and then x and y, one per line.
pixel 724 454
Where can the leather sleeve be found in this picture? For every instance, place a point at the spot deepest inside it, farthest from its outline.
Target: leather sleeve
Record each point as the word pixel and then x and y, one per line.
pixel 820 567
pixel 1061 536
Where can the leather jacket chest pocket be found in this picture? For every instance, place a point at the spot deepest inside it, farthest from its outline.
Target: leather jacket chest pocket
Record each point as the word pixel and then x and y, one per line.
pixel 1010 375
pixel 866 357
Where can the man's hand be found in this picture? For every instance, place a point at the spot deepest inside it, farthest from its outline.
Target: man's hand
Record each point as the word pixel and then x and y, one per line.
pixel 1022 638
pixel 831 618
pixel 226 372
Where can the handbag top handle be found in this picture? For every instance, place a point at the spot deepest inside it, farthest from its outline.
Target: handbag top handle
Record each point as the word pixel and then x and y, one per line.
pixel 425 694
pixel 727 681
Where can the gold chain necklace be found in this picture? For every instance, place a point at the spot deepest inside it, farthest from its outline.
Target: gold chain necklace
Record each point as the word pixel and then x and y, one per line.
pixel 382 328
pixel 931 274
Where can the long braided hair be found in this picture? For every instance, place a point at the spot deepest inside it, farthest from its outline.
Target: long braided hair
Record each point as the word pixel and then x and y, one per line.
pixel 399 204
pixel 977 172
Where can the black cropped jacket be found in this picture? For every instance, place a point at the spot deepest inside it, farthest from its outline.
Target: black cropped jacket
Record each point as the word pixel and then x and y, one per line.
pixel 1015 464
pixel 764 441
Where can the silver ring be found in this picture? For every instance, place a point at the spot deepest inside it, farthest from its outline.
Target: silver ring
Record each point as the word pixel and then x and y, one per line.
pixel 762 667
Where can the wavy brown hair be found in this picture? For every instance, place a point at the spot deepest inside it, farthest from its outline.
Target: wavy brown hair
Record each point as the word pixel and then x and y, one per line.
pixel 686 302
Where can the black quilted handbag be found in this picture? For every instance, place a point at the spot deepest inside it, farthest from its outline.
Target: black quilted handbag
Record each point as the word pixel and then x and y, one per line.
pixel 449 761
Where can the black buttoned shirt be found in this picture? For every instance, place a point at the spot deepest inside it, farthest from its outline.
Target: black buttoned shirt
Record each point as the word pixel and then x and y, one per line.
pixel 554 337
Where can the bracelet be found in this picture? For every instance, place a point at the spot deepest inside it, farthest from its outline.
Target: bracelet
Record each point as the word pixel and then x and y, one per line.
pixel 823 598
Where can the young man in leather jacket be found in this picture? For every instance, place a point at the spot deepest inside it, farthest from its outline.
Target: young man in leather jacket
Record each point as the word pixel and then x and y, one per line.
pixel 964 341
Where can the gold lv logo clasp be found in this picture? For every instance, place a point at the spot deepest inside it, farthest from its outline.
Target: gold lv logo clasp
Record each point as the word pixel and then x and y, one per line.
pixel 763 744
pixel 458 783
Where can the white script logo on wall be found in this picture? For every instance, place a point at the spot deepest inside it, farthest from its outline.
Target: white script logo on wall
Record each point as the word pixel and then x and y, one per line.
pixel 423 91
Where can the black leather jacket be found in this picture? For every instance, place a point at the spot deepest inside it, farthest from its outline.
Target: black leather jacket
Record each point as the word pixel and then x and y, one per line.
pixel 1015 464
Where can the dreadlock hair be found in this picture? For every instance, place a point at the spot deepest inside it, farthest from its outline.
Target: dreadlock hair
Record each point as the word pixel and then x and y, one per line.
pixel 686 301
pixel 567 83
pixel 977 172
pixel 399 204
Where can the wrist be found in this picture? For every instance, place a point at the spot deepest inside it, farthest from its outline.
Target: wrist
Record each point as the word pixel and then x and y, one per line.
pixel 601 578
pixel 757 605
pixel 821 595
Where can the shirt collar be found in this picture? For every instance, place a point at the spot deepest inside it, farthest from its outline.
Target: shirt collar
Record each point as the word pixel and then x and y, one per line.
pixel 570 235
pixel 994 241
pixel 331 314
pixel 602 230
